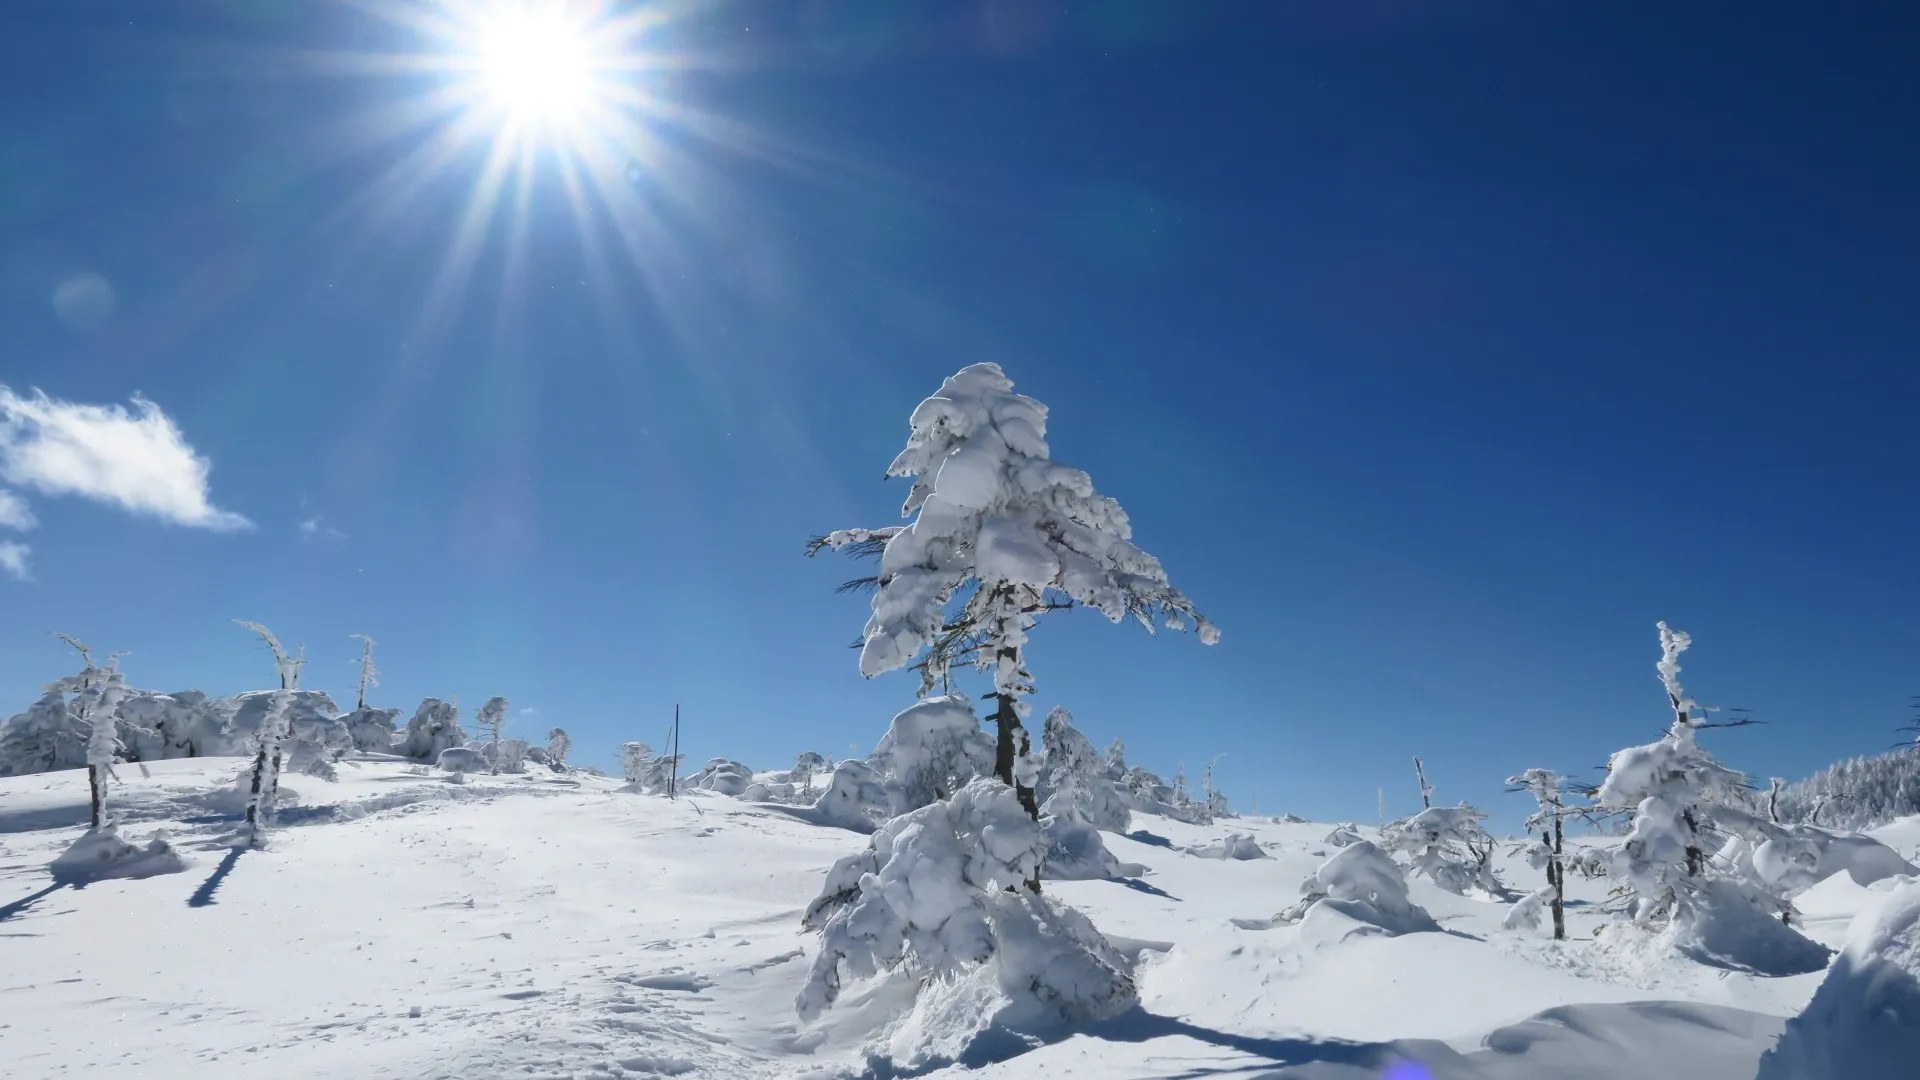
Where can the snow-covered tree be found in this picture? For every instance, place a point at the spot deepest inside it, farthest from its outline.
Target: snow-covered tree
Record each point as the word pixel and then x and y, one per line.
pixel 103 745
pixel 1074 781
pixel 634 757
pixel 512 755
pixel 1216 800
pixel 489 722
pixel 937 894
pixel 855 797
pixel 1684 804
pixel 1547 853
pixel 1857 793
pixel 805 767
pixel 43 738
pixel 285 666
pixel 1000 534
pixel 264 784
pixel 1117 759
pixel 371 729
pixel 435 727
pixel 1448 845
pixel 369 675
pixel 559 744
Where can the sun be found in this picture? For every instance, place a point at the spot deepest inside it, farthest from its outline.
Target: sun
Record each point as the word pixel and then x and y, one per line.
pixel 537 63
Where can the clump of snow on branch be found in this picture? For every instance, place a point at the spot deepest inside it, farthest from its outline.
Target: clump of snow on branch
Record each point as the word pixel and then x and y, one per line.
pixel 931 750
pixel 940 895
pixel 1864 1021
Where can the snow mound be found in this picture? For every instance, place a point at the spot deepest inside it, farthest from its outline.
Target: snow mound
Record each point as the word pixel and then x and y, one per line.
pixel 1360 889
pixel 1342 835
pixel 1806 855
pixel 1077 852
pixel 722 775
pixel 854 797
pixel 100 854
pixel 1864 1021
pixel 461 760
pixel 1725 924
pixel 1231 846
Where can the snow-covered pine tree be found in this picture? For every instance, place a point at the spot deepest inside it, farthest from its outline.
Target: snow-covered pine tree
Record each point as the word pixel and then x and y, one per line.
pixel 1074 780
pixel 1000 535
pixel 435 727
pixel 1683 801
pixel 559 744
pixel 488 723
pixel 1117 759
pixel 1449 845
pixel 1548 853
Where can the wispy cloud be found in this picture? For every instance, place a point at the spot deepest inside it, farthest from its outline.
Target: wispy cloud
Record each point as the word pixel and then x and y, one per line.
pixel 15 513
pixel 316 528
pixel 134 459
pixel 13 559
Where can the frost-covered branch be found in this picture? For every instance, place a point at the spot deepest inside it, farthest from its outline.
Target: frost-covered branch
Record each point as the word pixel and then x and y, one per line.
pixel 369 675
pixel 288 667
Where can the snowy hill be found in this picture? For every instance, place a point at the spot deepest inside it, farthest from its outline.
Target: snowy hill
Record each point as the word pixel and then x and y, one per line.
pixel 403 926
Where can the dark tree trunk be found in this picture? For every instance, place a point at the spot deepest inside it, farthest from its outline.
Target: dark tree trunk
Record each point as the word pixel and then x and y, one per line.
pixel 1557 877
pixel 253 792
pixel 1006 719
pixel 97 782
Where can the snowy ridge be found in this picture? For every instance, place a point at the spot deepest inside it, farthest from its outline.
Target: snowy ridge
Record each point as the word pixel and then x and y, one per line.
pixel 557 927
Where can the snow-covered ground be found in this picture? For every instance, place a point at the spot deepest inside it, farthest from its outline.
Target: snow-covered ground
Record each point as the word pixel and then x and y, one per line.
pixel 400 925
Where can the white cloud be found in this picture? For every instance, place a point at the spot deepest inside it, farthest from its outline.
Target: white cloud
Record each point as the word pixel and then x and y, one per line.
pixel 15 513
pixel 136 460
pixel 13 559
pixel 316 528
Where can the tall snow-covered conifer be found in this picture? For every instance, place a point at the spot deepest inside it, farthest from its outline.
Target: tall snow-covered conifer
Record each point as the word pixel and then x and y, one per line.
pixel 1000 534
pixel 288 667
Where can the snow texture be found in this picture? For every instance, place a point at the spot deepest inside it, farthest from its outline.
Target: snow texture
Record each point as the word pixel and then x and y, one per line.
pixel 1864 1021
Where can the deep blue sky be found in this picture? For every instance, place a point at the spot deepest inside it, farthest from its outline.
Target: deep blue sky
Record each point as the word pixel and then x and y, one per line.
pixel 1437 348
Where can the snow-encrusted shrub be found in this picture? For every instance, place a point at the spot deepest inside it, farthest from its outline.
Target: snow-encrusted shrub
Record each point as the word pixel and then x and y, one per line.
pixel 634 757
pixel 461 762
pixel 559 745
pixel 43 738
pixel 100 853
pixel 1681 797
pixel 1794 858
pixel 1343 834
pixel 1864 1021
pixel 371 729
pixel 1364 884
pixel 435 727
pixel 806 766
pixel 931 750
pixel 183 724
pixel 510 755
pixel 855 798
pixel 724 776
pixel 1448 845
pixel 931 897
pixel 1234 846
pixel 1074 779
pixel 490 723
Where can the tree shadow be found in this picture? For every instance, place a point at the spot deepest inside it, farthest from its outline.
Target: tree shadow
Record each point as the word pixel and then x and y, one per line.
pixel 203 896
pixel 20 906
pixel 1142 836
pixel 1140 886
pixel 1136 1025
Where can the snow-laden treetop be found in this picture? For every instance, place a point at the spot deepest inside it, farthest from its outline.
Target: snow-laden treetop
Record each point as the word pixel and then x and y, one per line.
pixel 989 503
